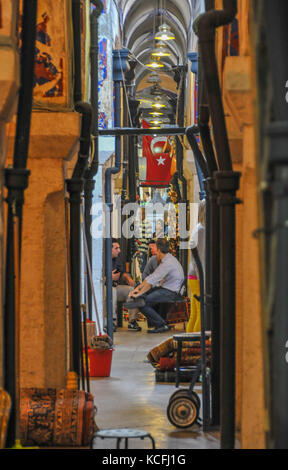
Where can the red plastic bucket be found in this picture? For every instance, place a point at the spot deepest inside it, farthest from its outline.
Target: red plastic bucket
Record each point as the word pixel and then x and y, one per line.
pixel 99 362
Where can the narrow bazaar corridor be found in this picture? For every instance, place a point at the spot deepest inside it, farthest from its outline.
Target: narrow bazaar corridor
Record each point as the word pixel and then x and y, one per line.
pixel 144 178
pixel 131 398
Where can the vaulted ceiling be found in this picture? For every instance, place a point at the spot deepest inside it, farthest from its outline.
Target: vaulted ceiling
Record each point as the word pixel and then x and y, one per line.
pixel 140 21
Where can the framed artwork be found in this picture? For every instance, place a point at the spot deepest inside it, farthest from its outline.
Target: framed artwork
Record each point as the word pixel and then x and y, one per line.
pixel 53 82
pixel 8 21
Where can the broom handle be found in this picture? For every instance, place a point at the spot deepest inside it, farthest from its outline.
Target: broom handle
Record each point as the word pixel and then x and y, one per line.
pixel 17 322
pixel 86 347
pixel 90 274
pixel 70 365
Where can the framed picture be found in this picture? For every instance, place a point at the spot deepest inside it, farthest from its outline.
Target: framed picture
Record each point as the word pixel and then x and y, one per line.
pixel 53 80
pixel 8 21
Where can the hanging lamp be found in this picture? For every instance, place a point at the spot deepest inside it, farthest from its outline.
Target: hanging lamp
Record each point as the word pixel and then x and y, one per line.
pixel 156 113
pixel 164 33
pixel 155 63
pixel 160 50
pixel 158 103
pixel 156 121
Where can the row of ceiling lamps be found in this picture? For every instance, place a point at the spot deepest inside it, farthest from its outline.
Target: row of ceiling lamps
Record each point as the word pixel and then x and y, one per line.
pixel 164 34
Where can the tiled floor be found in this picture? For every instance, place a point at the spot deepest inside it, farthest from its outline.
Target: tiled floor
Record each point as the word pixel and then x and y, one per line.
pixel 130 397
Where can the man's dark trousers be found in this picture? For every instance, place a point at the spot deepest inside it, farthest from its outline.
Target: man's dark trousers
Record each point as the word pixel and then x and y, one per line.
pixel 157 295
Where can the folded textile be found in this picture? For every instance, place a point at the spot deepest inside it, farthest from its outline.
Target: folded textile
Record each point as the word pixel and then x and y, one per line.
pixel 168 350
pixel 50 417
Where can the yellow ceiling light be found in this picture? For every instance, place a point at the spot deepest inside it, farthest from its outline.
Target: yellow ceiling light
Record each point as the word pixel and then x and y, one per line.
pixel 158 105
pixel 156 121
pixel 156 113
pixel 164 33
pixel 160 50
pixel 155 63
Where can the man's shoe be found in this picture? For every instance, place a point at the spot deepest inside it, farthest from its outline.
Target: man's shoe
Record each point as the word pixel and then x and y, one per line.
pixel 133 325
pixel 160 329
pixel 137 303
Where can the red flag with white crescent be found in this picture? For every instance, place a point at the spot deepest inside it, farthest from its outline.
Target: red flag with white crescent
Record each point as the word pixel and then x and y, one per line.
pixel 157 153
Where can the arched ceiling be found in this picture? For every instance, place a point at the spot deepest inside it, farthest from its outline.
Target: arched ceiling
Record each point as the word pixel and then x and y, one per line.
pixel 142 18
pixel 140 21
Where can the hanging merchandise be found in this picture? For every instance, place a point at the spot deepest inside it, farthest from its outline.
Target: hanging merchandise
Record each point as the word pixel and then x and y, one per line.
pixel 157 153
pixel 175 198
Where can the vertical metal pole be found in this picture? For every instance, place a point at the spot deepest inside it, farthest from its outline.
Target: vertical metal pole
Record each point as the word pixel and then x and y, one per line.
pixel 9 329
pixel 75 188
pixel 214 300
pixel 119 59
pixel 109 204
pixel 89 174
pixel 227 183
pixel 16 181
pixel 76 18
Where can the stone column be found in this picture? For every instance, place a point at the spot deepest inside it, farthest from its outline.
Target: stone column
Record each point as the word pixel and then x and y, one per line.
pixel 42 304
pixel 238 94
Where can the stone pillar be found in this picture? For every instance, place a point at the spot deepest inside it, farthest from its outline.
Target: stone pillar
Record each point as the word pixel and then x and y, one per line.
pixel 9 84
pixel 250 375
pixel 42 304
pixel 252 413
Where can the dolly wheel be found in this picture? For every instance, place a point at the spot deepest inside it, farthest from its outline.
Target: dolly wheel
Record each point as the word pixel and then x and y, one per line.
pixel 186 393
pixel 182 411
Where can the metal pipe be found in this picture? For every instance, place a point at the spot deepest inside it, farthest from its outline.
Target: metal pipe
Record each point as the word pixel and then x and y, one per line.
pixel 212 278
pixel 108 174
pixel 205 387
pixel 75 186
pixel 76 19
pixel 227 183
pixel 119 131
pixel 16 181
pixel 277 44
pixel 199 157
pixel 26 87
pixel 205 26
pixel 83 154
pixel 180 159
pixel 90 173
pixel 132 153
pixel 213 296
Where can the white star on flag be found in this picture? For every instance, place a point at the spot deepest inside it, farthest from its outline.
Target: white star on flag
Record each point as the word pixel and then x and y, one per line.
pixel 161 161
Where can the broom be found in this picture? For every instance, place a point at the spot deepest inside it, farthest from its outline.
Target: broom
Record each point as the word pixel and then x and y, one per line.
pixel 101 340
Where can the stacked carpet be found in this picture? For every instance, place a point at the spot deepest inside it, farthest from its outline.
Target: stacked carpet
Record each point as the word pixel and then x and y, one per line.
pixel 163 357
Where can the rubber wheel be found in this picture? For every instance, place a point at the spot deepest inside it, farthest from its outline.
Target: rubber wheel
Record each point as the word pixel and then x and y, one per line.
pixel 182 412
pixel 186 393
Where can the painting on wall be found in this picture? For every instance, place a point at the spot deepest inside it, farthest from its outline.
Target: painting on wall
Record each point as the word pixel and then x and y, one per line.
pixel 53 74
pixel 53 84
pixel 8 20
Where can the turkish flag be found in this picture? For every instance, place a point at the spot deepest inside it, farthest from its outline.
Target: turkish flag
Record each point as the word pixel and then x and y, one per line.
pixel 157 153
